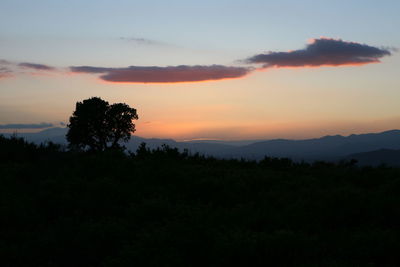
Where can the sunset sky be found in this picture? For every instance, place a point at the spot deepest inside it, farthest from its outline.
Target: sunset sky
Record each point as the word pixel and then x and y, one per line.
pixel 205 69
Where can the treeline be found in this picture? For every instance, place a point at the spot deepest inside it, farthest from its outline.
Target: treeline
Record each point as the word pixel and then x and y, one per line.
pixel 163 207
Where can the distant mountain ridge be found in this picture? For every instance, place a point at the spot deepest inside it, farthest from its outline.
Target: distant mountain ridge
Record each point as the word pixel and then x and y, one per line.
pixel 325 148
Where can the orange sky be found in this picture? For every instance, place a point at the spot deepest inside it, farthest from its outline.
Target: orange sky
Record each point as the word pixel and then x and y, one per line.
pixel 276 102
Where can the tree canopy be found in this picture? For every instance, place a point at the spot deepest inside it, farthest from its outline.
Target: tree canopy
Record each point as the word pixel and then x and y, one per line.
pixel 97 126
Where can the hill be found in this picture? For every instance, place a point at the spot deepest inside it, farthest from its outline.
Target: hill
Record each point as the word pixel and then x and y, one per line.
pixel 330 148
pixel 166 208
pixel 324 148
pixel 375 158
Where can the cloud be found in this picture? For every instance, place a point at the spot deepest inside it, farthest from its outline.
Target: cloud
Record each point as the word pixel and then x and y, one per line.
pixel 5 73
pixel 322 52
pixel 170 74
pixel 26 126
pixel 4 62
pixel 89 69
pixel 319 52
pixel 142 41
pixel 35 66
pixel 10 69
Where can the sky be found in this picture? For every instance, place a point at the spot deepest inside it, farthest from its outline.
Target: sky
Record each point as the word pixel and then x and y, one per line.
pixel 227 70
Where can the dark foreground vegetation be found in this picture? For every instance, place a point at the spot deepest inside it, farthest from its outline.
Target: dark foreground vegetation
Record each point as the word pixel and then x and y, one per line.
pixel 165 208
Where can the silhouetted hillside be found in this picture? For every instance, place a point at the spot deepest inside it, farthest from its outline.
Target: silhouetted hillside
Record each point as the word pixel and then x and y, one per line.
pixel 331 148
pixel 374 158
pixel 166 208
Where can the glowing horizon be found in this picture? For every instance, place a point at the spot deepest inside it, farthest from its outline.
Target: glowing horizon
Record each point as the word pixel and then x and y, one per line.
pixel 205 74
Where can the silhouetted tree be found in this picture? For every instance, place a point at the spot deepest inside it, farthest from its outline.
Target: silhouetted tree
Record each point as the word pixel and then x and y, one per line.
pixel 96 125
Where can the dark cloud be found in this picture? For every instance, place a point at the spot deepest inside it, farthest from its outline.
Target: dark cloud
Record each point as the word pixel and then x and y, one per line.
pixel 319 52
pixel 35 66
pixel 323 52
pixel 170 74
pixel 26 126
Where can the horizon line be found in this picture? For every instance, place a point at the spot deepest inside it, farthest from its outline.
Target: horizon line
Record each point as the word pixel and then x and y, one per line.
pixel 15 131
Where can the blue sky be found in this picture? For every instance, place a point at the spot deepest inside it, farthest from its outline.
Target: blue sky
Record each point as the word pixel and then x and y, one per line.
pixel 274 103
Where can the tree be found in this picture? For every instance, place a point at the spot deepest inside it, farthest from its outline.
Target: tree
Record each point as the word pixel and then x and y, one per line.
pixel 96 125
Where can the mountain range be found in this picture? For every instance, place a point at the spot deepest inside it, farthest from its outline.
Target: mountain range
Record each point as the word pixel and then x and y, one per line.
pixel 368 149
